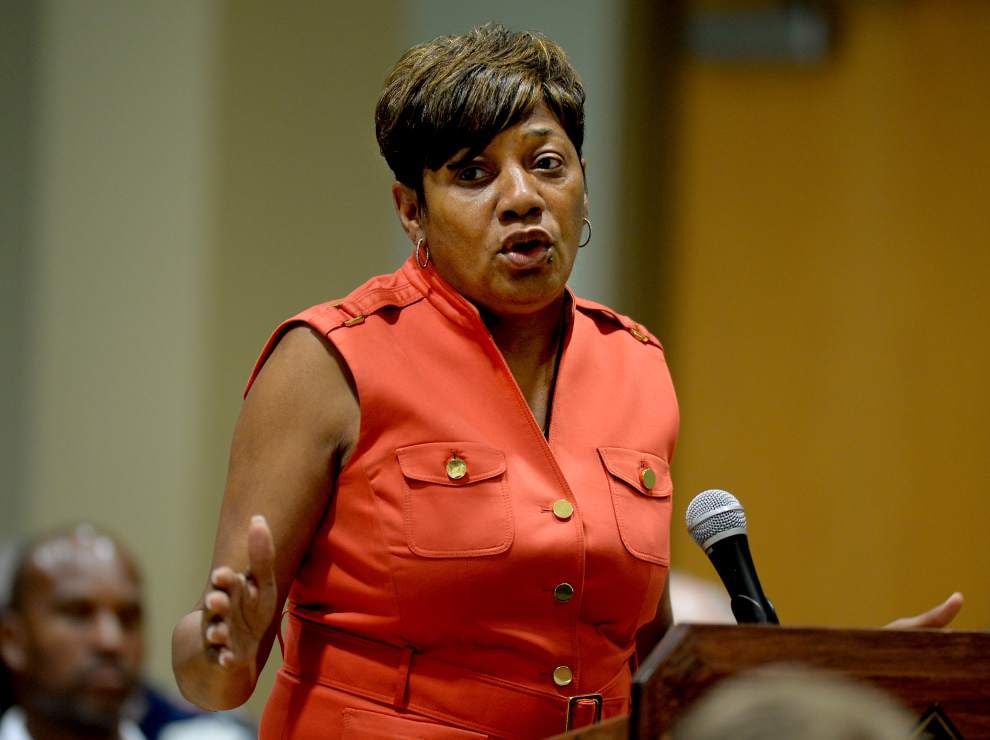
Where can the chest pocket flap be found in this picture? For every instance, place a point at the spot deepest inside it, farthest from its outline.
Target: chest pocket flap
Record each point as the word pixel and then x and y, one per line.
pixel 641 496
pixel 456 503
pixel 434 462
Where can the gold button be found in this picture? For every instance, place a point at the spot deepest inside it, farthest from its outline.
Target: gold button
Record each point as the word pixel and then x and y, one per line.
pixel 648 477
pixel 456 468
pixel 563 509
pixel 562 675
pixel 564 592
pixel 635 331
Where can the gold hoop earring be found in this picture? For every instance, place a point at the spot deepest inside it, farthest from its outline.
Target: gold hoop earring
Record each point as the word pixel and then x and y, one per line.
pixel 422 246
pixel 585 242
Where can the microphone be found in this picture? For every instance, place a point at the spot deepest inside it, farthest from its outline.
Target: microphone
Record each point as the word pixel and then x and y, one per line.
pixel 717 522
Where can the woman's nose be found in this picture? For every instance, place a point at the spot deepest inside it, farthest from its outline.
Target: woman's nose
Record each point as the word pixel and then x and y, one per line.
pixel 520 199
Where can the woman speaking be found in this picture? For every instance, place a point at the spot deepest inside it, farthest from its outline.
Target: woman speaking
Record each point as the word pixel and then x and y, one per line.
pixel 456 478
pixel 461 469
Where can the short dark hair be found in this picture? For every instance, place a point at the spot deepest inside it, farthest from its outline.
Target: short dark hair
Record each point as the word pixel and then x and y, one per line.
pixel 458 92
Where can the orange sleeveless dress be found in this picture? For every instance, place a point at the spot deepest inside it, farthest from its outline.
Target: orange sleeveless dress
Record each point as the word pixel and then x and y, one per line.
pixel 472 577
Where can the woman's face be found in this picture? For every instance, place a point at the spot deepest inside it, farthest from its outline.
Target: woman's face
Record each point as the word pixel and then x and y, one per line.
pixel 503 226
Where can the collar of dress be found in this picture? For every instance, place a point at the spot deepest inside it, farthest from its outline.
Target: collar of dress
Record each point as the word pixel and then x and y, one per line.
pixel 452 304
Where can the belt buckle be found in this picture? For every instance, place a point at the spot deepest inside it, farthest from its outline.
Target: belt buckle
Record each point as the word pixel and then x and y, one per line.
pixel 572 700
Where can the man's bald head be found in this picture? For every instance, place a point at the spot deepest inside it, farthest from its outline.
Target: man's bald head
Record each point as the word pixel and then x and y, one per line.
pixel 72 633
pixel 45 554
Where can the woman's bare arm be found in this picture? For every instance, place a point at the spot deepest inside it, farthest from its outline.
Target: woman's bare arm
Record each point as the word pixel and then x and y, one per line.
pixel 296 428
pixel 651 633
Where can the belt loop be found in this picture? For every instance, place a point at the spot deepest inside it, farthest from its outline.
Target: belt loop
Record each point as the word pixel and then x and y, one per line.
pixel 402 679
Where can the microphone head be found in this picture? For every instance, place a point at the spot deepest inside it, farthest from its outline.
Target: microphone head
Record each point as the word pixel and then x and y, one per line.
pixel 714 515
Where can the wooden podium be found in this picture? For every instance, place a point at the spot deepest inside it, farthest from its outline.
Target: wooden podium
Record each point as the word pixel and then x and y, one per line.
pixel 921 668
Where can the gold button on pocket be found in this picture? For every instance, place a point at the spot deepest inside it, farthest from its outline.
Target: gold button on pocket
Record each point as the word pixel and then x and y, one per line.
pixel 445 482
pixel 562 675
pixel 641 498
pixel 648 477
pixel 456 468
pixel 564 592
pixel 563 509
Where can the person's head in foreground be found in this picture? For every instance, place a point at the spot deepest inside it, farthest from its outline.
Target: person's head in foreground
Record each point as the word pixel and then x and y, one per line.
pixel 483 132
pixel 71 634
pixel 794 702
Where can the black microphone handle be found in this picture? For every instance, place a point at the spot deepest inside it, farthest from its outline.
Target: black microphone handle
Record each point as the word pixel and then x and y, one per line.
pixel 734 564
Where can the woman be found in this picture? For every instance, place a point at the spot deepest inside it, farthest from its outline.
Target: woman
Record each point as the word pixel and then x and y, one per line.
pixel 463 469
pixel 459 473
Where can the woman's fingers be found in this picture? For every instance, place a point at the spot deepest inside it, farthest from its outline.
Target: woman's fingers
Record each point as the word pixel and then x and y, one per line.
pixel 220 606
pixel 223 577
pixel 226 658
pixel 239 606
pixel 217 603
pixel 261 553
pixel 935 618
pixel 262 589
pixel 218 634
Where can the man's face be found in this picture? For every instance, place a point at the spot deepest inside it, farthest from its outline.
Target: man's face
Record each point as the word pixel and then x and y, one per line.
pixel 78 639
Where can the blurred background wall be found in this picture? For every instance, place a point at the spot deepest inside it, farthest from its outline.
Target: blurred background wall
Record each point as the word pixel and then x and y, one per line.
pixel 827 311
pixel 110 200
pixel 807 237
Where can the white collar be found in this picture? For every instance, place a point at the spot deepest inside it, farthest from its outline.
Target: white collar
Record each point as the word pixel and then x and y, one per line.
pixel 13 726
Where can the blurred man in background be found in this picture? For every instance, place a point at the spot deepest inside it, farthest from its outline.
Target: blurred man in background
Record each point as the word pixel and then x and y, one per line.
pixel 71 639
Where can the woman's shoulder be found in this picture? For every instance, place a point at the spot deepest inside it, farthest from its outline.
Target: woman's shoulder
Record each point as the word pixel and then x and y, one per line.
pixel 393 290
pixel 608 320
pixel 376 294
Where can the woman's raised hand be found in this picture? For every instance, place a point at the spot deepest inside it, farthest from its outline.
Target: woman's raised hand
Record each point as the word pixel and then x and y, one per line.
pixel 239 607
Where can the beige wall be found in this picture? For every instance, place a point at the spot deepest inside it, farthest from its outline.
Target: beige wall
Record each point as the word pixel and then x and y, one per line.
pixel 18 37
pixel 200 171
pixel 117 291
pixel 829 307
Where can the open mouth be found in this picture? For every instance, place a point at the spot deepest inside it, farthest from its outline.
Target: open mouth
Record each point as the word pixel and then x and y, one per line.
pixel 527 255
pixel 526 251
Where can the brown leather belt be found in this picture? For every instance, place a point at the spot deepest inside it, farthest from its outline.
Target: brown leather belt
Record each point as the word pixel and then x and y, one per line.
pixel 405 680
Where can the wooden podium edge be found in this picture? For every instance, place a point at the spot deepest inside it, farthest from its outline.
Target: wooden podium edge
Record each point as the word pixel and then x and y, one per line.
pixel 697 655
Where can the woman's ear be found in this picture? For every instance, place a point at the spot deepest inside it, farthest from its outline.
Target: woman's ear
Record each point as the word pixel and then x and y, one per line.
pixel 406 202
pixel 584 173
pixel 12 648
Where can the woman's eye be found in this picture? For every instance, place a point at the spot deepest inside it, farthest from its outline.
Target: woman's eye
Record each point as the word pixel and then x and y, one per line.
pixel 548 162
pixel 471 174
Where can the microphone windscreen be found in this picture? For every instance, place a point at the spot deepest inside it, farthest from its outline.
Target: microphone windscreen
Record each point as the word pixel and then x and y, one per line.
pixel 713 515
